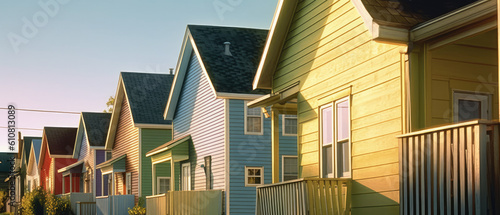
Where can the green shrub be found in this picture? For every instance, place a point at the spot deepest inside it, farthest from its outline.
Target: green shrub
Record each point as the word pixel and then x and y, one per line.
pixel 57 206
pixel 139 208
pixel 34 201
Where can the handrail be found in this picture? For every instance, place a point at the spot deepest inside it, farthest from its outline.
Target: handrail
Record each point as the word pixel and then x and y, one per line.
pixel 302 179
pixel 155 196
pixel 451 126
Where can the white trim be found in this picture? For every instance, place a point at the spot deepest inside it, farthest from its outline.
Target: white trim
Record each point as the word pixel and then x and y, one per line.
pixel 261 176
pixel 283 165
pixel 245 107
pixel 462 35
pixel 283 117
pixel 154 126
pixel 162 160
pixel 241 96
pixel 158 184
pixel 128 183
pixel 336 142
pixel 321 145
pixel 485 100
pixel 227 157
pixel 168 147
pixel 188 164
pixel 78 140
pixel 202 65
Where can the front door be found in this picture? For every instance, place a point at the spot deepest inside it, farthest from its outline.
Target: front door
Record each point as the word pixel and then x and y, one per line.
pixel 186 176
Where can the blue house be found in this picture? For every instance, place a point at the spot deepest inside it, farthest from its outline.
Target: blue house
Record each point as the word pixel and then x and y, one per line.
pixel 218 142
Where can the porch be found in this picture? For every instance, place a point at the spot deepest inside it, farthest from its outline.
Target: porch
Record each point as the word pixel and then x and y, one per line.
pixel 75 198
pixel 186 202
pixel 452 169
pixel 305 196
pixel 118 204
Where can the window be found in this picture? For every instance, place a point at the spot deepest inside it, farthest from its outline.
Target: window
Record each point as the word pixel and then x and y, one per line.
pixel 253 120
pixel 290 169
pixel 128 183
pixel 163 184
pixel 335 141
pixel 186 176
pixel 289 125
pixel 254 176
pixel 108 155
pixel 470 106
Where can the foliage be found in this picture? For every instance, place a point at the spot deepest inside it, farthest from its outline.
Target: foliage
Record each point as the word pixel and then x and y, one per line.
pixel 110 105
pixel 34 201
pixel 57 206
pixel 3 198
pixel 139 208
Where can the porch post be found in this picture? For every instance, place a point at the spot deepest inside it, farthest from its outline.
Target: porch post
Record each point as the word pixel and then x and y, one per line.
pixel 275 136
pixel 63 186
pixel 112 183
pixel 153 169
pixel 172 175
pixel 70 182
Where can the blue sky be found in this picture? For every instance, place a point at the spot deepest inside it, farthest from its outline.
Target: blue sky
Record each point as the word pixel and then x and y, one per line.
pixel 66 54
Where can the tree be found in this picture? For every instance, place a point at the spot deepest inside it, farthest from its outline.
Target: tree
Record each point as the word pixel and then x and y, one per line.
pixel 110 105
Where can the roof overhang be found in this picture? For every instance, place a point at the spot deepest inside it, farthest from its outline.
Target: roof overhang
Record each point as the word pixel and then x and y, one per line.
pixel 79 137
pixel 176 150
pixel 113 165
pixel 121 94
pixel 241 96
pixel 154 126
pixel 73 168
pixel 275 39
pixel 282 101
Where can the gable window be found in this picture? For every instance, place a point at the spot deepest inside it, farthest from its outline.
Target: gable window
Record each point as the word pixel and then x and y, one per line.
pixel 254 176
pixel 335 139
pixel 289 125
pixel 470 106
pixel 290 169
pixel 253 120
pixel 128 183
pixel 163 185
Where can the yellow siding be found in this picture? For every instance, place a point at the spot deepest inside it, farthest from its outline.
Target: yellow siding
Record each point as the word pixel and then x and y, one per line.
pixel 469 65
pixel 330 51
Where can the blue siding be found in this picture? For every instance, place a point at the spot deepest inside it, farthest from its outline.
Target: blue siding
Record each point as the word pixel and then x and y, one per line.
pixel 84 149
pixel 250 150
pixel 201 115
pixel 288 146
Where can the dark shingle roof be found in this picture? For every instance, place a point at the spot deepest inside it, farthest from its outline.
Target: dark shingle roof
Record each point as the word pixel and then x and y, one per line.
pixel 230 74
pixel 147 95
pixel 408 13
pixel 96 125
pixel 27 146
pixel 61 141
pixel 37 144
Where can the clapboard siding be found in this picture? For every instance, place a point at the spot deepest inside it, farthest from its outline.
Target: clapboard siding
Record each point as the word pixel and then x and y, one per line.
pixel 84 148
pixel 470 65
pixel 127 142
pixel 201 115
pixel 150 139
pixel 252 151
pixel 329 49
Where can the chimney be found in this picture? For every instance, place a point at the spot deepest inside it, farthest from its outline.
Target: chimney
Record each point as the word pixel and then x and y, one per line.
pixel 171 71
pixel 227 51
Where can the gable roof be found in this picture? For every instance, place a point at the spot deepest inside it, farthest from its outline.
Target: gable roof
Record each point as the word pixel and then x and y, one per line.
pixel 398 21
pixel 228 75
pixel 27 146
pixel 95 128
pixel 36 146
pixel 60 140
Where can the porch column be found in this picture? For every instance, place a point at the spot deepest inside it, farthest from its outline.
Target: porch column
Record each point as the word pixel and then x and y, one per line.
pixel 70 182
pixel 153 171
pixel 172 175
pixel 275 141
pixel 63 185
pixel 112 183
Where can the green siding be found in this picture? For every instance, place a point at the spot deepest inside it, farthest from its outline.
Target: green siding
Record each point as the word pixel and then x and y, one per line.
pixel 150 139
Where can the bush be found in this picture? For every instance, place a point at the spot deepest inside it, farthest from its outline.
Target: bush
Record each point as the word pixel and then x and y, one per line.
pixel 34 202
pixel 139 208
pixel 57 206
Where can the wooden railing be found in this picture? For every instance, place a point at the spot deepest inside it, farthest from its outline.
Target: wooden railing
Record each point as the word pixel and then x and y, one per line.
pixel 450 170
pixel 85 208
pixel 75 197
pixel 305 196
pixel 186 202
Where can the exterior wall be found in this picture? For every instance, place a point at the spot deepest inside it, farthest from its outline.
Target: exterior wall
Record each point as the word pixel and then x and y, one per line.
pixel 151 138
pixel 35 176
pixel 201 115
pixel 330 51
pixel 469 65
pixel 57 182
pixel 100 157
pixel 127 142
pixel 288 146
pixel 45 170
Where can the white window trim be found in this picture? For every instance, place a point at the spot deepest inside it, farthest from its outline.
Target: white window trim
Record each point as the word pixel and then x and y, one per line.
pixel 188 164
pixel 158 183
pixel 283 116
pixel 245 122
pixel 335 143
pixel 261 173
pixel 128 184
pixel 283 165
pixel 472 96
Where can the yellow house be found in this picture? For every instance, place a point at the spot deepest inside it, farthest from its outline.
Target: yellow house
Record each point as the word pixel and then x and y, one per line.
pixel 394 100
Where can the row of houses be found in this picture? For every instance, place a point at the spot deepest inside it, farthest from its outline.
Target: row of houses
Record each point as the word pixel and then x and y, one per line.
pixel 342 107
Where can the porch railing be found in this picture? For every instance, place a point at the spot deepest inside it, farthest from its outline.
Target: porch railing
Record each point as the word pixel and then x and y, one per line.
pixel 451 169
pixel 85 208
pixel 75 197
pixel 117 204
pixel 305 196
pixel 186 202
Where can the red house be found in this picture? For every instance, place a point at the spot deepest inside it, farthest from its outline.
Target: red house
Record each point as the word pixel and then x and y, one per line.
pixel 57 152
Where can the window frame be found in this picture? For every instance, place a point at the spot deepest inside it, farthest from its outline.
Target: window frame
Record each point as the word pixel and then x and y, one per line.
pixel 283 119
pixel 283 166
pixel 158 179
pixel 246 132
pixel 128 183
pixel 261 176
pixel 335 143
pixel 484 99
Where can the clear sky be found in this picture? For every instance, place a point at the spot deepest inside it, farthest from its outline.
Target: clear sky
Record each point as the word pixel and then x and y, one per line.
pixel 66 55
